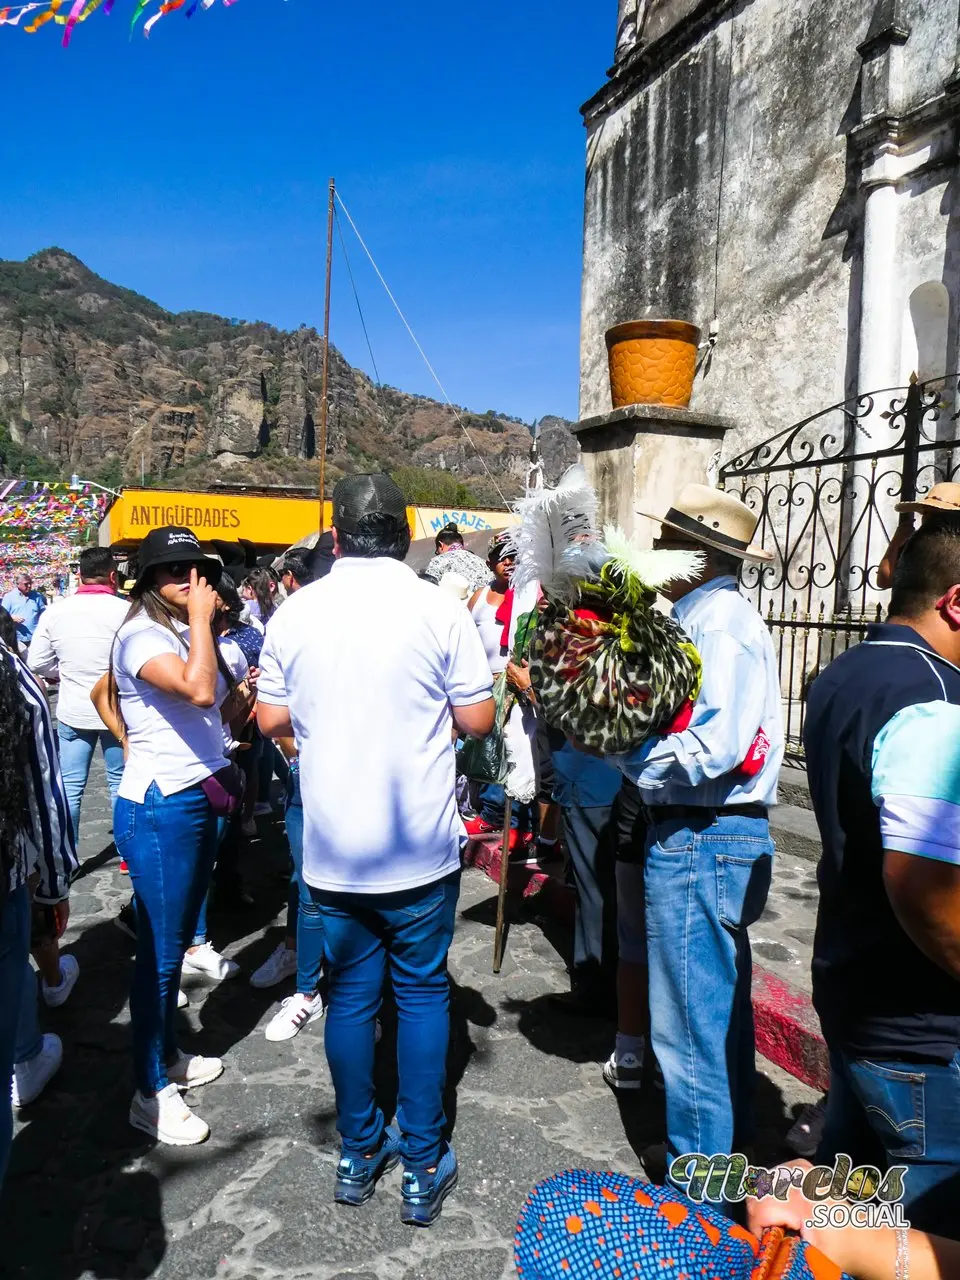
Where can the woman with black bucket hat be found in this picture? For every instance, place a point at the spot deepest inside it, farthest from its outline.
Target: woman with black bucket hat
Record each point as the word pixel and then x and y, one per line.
pixel 168 683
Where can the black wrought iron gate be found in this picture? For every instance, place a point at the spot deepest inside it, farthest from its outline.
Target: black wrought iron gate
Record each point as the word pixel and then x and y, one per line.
pixel 826 491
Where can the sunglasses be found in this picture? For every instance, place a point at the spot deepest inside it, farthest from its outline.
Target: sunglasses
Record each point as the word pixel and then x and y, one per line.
pixel 179 570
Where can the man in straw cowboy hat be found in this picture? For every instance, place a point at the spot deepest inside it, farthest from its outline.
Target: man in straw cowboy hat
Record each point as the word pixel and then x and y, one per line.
pixel 941 504
pixel 707 860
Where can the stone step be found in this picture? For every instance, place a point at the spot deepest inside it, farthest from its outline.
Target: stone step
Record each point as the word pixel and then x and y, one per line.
pixel 794 830
pixel 787 1029
pixel 793 787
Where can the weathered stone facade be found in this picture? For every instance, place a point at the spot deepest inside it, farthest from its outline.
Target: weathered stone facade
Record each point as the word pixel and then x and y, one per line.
pixel 784 173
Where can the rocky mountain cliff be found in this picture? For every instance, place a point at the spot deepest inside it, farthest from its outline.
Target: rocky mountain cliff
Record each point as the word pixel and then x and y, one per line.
pixel 97 379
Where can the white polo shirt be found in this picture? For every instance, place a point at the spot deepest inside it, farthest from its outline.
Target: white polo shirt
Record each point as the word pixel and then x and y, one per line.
pixel 73 639
pixel 171 742
pixel 370 660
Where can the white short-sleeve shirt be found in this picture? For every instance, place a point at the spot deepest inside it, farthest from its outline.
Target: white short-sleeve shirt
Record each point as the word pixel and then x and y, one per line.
pixel 171 742
pixel 236 661
pixel 73 639
pixel 369 660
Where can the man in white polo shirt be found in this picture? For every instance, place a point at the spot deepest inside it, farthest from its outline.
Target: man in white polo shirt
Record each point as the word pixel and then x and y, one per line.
pixel 73 640
pixel 369 670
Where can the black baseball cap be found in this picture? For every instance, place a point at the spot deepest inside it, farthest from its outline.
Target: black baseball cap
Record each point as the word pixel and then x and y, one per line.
pixel 373 494
pixel 174 545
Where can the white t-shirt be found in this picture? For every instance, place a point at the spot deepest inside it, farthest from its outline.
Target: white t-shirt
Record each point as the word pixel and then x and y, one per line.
pixel 73 639
pixel 236 660
pixel 369 660
pixel 172 742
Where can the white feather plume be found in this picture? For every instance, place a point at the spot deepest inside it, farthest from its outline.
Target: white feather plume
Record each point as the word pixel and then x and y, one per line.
pixel 555 526
pixel 654 568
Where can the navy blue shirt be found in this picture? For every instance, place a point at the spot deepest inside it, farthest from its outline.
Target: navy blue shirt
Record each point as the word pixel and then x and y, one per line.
pixel 249 639
pixel 877 994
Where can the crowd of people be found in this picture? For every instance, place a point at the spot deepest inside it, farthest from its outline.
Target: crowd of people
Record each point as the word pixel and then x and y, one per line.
pixel 356 683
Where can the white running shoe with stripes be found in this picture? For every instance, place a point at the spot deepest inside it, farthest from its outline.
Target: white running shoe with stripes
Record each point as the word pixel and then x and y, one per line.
pixel 295 1013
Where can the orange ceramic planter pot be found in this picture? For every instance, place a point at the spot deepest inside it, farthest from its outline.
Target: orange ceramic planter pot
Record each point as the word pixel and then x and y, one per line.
pixel 652 362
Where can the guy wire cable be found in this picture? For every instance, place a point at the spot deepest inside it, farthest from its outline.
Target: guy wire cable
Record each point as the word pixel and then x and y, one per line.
pixel 433 372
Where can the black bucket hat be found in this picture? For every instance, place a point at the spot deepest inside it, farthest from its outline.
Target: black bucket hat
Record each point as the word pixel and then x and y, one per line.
pixel 173 545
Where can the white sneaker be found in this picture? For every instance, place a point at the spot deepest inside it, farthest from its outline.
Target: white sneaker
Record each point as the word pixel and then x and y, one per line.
pixel 190 1070
pixel 30 1078
pixel 623 1072
pixel 281 963
pixel 296 1012
pixel 182 1000
pixel 167 1118
pixel 204 959
pixel 69 972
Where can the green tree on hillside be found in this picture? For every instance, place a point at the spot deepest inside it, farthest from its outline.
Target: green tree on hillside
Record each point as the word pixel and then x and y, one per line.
pixel 17 460
pixel 422 486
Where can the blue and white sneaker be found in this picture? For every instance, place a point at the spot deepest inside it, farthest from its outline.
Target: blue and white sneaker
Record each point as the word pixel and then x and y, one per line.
pixel 357 1176
pixel 424 1193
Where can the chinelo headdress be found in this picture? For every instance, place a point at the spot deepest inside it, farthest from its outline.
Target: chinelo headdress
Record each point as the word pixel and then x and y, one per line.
pixel 608 667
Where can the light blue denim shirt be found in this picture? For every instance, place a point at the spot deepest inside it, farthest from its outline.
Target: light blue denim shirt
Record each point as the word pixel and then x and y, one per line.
pixel 28 607
pixel 740 695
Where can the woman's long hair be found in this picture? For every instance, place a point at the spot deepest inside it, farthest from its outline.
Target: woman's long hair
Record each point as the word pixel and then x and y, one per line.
pixel 259 580
pixel 8 630
pixel 15 728
pixel 230 599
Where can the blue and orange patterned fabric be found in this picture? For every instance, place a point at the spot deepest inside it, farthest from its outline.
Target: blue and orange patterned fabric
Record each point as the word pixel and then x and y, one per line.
pixel 607 1226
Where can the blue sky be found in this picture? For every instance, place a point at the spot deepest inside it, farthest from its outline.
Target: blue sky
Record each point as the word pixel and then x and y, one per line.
pixel 193 167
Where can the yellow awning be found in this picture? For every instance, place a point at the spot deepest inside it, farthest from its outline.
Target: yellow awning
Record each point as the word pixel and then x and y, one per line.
pixel 264 519
pixel 260 518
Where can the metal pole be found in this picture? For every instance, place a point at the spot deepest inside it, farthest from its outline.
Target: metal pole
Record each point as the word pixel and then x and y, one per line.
pixel 912 422
pixel 498 941
pixel 326 350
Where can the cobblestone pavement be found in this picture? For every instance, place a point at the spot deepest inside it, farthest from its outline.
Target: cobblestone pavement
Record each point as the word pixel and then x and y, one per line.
pixel 782 939
pixel 86 1197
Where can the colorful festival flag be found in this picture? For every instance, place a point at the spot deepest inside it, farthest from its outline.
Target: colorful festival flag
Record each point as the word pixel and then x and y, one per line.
pixel 80 10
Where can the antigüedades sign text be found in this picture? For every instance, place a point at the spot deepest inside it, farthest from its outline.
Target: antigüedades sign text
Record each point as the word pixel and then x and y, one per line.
pixel 151 516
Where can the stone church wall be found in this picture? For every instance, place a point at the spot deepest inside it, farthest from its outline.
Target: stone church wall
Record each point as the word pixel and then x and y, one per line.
pixel 722 184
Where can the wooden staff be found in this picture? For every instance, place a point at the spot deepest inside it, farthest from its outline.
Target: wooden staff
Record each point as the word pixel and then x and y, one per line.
pixel 499 939
pixel 331 209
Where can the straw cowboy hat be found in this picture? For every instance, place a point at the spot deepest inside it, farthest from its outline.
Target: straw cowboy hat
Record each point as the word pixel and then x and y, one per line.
pixel 944 498
pixel 715 518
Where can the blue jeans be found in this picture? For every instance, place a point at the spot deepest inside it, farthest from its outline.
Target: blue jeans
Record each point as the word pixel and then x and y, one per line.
pixel 14 955
pixel 29 1037
pixel 271 762
pixel 226 830
pixel 170 843
pixel 412 931
pixel 591 841
pixel 491 803
pixel 304 916
pixel 900 1113
pixel 76 753
pixel 706 878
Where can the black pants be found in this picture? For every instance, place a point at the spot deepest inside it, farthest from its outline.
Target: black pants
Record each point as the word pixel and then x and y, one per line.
pixel 590 836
